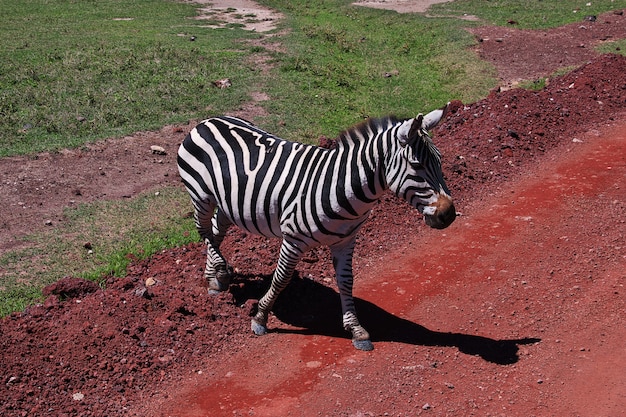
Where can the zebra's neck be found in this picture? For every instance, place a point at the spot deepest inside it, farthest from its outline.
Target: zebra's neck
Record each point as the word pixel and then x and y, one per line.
pixel 372 145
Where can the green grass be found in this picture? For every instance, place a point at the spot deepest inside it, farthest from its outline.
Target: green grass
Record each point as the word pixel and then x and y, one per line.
pixel 71 73
pixel 528 14
pixel 332 75
pixel 613 47
pixel 116 235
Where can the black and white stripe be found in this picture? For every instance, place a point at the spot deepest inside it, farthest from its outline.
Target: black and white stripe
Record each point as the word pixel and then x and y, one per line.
pixel 309 196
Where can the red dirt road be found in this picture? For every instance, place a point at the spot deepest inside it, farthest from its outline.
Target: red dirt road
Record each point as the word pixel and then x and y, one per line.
pixel 516 309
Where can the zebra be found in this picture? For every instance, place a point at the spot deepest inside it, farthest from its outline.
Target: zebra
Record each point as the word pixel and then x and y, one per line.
pixel 307 195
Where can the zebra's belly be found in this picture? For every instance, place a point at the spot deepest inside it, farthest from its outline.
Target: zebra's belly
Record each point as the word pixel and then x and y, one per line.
pixel 258 222
pixel 309 228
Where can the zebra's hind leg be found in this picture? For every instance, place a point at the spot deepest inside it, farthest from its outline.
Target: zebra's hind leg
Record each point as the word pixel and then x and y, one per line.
pixel 212 225
pixel 287 261
pixel 342 261
pixel 217 272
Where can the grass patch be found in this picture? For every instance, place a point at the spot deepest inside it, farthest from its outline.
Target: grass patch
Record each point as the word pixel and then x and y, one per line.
pixel 528 14
pixel 72 72
pixel 344 63
pixel 117 232
pixel 613 47
pixel 534 85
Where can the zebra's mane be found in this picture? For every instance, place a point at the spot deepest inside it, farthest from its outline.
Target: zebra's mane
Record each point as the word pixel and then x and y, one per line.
pixel 430 145
pixel 364 130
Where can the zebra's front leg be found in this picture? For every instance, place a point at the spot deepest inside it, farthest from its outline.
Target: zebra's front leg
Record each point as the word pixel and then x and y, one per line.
pixel 287 261
pixel 342 261
pixel 212 226
pixel 216 270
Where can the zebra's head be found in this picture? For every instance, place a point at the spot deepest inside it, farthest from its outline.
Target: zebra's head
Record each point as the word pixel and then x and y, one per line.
pixel 416 172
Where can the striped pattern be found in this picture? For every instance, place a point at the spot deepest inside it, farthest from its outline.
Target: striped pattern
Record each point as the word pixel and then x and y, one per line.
pixel 308 196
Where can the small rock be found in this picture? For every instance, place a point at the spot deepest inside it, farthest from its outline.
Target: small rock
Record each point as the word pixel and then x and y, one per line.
pixel 150 282
pixel 426 406
pixel 48 222
pixel 512 133
pixel 78 396
pixel 158 150
pixel 142 292
pixel 223 83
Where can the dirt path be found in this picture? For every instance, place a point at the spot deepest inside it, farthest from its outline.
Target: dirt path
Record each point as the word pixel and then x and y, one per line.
pixel 400 6
pixel 247 13
pixel 515 310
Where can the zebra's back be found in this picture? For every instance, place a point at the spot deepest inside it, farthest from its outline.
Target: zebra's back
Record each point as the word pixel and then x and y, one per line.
pixel 259 181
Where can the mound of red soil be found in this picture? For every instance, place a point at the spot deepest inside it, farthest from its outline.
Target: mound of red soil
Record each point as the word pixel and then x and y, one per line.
pixel 111 352
pixel 490 140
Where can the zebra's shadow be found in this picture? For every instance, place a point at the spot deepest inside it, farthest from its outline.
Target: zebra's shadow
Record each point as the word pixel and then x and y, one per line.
pixel 316 309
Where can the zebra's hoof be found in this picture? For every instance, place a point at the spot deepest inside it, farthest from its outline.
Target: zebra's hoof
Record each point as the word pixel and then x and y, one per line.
pixel 363 345
pixel 258 329
pixel 217 286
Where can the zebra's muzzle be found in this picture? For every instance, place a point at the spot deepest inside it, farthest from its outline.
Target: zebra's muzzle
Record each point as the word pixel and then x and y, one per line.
pixel 441 213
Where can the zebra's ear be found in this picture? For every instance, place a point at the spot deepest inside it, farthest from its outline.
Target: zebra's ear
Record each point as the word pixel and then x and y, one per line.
pixel 432 119
pixel 414 131
pixel 408 131
pixel 420 123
